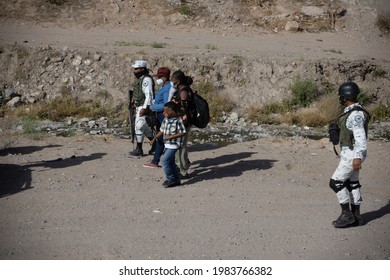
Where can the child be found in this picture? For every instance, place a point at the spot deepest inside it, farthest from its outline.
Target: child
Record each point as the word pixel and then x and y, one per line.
pixel 173 130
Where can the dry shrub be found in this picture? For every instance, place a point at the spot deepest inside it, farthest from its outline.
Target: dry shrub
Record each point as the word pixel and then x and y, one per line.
pixel 329 106
pixel 253 112
pixel 311 117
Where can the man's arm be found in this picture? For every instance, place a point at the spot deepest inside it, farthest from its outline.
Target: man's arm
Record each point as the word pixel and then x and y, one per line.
pixel 355 122
pixel 147 89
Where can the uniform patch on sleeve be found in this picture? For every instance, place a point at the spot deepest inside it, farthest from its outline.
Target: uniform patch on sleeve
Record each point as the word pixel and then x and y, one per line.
pixel 359 119
pixel 145 83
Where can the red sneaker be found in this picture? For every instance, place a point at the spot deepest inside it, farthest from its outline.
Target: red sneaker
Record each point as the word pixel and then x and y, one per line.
pixel 150 165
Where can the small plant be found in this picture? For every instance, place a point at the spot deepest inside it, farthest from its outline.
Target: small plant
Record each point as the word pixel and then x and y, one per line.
pixel 380 112
pixel 241 82
pixel 30 127
pixel 158 45
pixel 378 73
pixel 364 98
pixel 132 43
pixel 334 51
pixel 185 10
pixel 211 47
pixel 57 2
pixel 304 91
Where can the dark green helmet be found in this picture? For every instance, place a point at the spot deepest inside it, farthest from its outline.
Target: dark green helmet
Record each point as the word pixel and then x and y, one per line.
pixel 349 91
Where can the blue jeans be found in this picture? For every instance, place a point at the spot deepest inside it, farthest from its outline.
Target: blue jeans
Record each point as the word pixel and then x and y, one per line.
pixel 159 149
pixel 169 165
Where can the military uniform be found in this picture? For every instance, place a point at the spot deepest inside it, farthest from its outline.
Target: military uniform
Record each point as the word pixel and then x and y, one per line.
pixel 352 129
pixel 143 96
pixel 353 124
pixel 143 93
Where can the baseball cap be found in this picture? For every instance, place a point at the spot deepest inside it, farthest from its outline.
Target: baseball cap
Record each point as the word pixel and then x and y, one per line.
pixel 139 64
pixel 163 72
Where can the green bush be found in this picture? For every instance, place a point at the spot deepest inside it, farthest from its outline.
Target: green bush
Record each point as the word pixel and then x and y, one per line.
pixel 185 10
pixel 304 91
pixel 30 127
pixel 380 112
pixel 364 98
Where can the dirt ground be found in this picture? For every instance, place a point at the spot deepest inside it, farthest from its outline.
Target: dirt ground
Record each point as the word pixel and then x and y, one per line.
pixel 82 198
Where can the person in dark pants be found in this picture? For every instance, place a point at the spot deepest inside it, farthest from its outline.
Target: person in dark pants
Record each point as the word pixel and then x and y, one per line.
pixel 183 97
pixel 173 131
pixel 163 95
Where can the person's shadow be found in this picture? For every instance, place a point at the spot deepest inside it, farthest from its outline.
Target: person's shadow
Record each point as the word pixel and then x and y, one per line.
pixel 377 214
pixel 17 178
pixel 216 168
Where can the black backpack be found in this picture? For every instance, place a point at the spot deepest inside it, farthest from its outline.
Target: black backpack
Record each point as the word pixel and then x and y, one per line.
pixel 196 107
pixel 201 113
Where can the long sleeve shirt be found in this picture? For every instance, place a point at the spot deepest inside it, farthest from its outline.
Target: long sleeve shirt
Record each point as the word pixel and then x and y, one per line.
pixel 355 123
pixel 147 89
pixel 161 98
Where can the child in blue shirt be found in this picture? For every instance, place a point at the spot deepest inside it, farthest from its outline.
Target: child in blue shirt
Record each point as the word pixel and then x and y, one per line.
pixel 173 130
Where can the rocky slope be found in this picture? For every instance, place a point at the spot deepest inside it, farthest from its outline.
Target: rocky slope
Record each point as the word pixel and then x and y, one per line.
pixel 240 47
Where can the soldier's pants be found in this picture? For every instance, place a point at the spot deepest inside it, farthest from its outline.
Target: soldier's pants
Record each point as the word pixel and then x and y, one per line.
pixel 141 127
pixel 346 179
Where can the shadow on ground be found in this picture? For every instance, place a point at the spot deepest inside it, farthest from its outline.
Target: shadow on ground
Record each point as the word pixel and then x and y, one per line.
pixel 17 178
pixel 233 165
pixel 377 214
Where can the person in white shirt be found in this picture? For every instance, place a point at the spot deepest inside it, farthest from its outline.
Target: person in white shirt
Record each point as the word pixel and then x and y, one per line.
pixel 353 124
pixel 143 93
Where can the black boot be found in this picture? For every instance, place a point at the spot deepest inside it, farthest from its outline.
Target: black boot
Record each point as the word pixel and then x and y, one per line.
pixel 138 152
pixel 356 212
pixel 346 218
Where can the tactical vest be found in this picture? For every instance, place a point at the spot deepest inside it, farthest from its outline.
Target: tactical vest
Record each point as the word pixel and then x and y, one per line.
pixel 346 135
pixel 138 94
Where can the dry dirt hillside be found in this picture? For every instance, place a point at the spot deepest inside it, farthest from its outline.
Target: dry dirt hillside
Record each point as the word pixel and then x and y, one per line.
pixel 219 16
pixel 240 47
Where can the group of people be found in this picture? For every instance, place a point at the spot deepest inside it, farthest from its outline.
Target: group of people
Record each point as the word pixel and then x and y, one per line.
pixel 170 109
pixel 173 114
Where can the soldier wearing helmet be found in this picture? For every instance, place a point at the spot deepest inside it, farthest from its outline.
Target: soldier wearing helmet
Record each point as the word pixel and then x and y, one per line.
pixel 353 124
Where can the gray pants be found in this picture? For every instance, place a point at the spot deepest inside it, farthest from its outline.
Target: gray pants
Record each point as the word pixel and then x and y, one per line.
pixel 182 154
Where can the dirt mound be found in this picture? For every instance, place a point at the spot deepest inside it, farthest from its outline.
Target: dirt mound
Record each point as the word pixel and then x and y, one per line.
pixel 218 16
